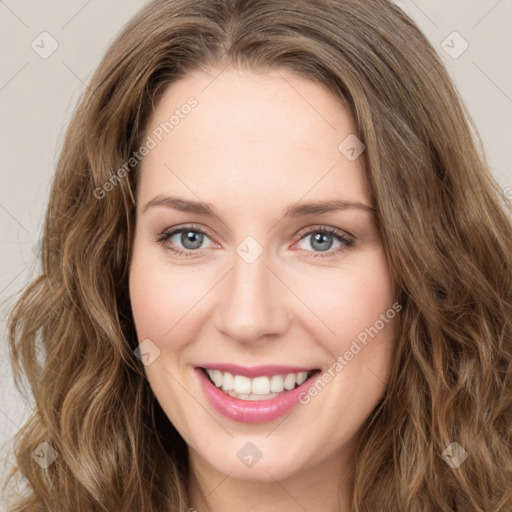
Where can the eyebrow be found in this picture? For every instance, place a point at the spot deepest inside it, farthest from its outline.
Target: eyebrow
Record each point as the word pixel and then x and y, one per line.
pixel 293 211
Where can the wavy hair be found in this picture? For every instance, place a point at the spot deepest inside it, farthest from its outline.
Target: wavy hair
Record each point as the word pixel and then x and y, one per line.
pixel 445 223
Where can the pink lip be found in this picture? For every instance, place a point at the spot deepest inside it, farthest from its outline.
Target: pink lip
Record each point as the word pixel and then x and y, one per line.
pixel 255 371
pixel 245 411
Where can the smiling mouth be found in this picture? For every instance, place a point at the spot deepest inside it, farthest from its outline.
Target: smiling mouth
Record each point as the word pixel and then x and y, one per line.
pixel 263 387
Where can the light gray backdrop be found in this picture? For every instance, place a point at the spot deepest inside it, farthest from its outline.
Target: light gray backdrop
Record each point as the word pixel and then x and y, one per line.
pixel 50 49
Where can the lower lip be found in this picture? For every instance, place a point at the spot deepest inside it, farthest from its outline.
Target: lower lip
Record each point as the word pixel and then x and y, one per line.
pixel 246 411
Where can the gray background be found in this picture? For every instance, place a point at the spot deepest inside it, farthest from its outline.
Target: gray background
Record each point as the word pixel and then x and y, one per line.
pixel 37 97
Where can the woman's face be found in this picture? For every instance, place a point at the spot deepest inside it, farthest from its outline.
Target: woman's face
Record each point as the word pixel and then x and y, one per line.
pixel 251 287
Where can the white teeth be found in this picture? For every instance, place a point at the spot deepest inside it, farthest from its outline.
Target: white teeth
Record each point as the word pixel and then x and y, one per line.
pixel 276 384
pixel 261 386
pixel 289 381
pixel 258 388
pixel 227 384
pixel 241 384
pixel 252 397
pixel 301 377
pixel 217 378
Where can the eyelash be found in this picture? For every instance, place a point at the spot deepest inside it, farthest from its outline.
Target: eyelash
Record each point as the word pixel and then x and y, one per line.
pixel 347 242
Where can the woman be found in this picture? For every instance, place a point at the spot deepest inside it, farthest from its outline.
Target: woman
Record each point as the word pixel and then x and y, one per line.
pixel 276 275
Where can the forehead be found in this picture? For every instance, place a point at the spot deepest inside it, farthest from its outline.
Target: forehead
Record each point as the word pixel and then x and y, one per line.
pixel 250 136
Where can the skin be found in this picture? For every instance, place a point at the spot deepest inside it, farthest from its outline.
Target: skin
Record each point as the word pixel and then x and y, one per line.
pixel 256 143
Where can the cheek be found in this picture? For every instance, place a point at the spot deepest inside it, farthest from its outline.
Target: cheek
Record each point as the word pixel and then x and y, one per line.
pixel 148 302
pixel 155 295
pixel 166 301
pixel 349 301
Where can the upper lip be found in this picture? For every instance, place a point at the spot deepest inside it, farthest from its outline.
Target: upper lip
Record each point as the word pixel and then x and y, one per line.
pixel 256 371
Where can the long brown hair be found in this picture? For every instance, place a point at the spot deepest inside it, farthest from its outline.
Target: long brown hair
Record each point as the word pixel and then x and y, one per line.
pixel 445 223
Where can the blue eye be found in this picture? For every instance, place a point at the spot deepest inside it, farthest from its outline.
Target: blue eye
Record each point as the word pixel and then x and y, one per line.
pixel 191 239
pixel 322 239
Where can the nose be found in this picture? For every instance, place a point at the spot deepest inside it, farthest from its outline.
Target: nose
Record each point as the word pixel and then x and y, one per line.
pixel 253 302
